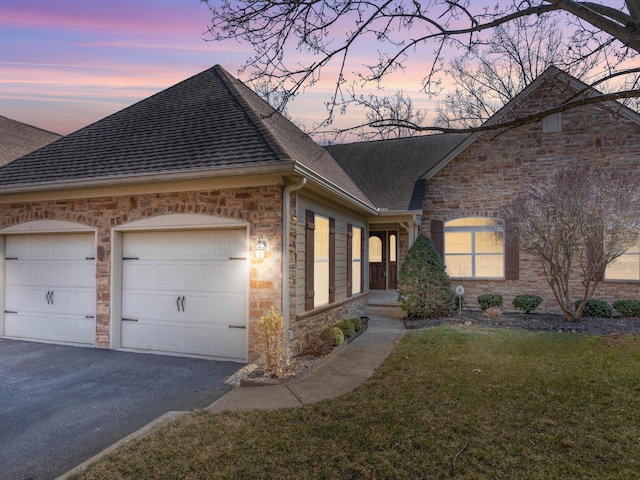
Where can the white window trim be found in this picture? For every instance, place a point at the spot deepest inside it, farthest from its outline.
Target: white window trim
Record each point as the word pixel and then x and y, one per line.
pixel 473 230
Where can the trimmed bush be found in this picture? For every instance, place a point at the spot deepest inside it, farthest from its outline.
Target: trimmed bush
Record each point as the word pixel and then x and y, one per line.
pixel 357 323
pixel 424 289
pixel 337 335
pixel 347 327
pixel 596 308
pixel 489 300
pixel 527 303
pixel 628 308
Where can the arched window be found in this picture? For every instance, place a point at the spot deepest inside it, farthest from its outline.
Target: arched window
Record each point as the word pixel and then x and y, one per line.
pixel 474 247
pixel 375 249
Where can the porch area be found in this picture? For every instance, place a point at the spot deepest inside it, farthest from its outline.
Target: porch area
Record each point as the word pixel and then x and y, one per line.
pixel 384 302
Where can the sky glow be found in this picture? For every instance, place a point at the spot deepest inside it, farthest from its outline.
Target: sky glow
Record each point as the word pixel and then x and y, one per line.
pixel 69 63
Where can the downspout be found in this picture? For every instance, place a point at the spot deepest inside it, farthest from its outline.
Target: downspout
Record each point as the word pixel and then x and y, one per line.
pixel 286 228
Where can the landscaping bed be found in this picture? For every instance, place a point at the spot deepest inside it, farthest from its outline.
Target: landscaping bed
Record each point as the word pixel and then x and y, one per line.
pixel 532 321
pixel 298 367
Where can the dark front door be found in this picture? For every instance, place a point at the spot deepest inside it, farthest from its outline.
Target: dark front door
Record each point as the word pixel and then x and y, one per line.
pixel 383 266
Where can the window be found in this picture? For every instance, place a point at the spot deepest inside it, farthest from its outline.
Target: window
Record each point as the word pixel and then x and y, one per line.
pixel 626 266
pixel 321 261
pixel 552 123
pixel 356 260
pixel 474 248
pixel 375 249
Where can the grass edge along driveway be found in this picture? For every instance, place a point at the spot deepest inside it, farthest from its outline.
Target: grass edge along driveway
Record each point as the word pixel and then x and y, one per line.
pixel 447 403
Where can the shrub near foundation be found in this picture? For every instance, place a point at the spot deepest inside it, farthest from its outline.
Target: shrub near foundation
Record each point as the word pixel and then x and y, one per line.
pixel 347 327
pixel 489 300
pixel 628 308
pixel 596 308
pixel 337 335
pixel 424 288
pixel 527 303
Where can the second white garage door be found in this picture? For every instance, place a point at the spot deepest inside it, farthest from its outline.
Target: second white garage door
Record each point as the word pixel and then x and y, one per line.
pixel 186 292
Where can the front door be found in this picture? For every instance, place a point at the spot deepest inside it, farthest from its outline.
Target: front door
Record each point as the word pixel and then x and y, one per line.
pixel 383 265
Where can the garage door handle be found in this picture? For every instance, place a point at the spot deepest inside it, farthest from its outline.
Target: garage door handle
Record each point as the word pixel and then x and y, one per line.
pixel 49 297
pixel 237 326
pixel 180 303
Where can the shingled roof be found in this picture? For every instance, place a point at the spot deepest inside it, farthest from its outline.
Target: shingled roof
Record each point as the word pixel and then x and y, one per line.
pixel 207 124
pixel 18 139
pixel 390 171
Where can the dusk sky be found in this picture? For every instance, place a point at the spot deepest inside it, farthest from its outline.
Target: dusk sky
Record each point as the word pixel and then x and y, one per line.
pixel 67 63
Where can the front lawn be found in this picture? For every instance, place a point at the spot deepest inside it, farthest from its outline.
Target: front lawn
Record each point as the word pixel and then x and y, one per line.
pixel 447 403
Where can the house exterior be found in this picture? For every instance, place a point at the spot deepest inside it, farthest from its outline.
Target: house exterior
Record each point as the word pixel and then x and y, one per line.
pixel 466 187
pixel 138 231
pixel 147 230
pixel 18 139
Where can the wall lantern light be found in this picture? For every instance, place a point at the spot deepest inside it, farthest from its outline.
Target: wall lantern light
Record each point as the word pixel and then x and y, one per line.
pixel 260 249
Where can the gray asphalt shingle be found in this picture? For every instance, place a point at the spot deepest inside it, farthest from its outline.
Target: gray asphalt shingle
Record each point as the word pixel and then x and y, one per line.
pixel 389 171
pixel 18 139
pixel 209 121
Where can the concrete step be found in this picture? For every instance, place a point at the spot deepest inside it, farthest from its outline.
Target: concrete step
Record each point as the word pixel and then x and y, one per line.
pixel 384 310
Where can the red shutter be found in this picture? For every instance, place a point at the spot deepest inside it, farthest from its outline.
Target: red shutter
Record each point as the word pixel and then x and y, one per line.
pixel 332 260
pixel 349 259
pixel 309 259
pixel 511 254
pixel 437 236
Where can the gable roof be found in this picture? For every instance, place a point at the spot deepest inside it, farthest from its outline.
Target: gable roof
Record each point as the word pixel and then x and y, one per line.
pixel 389 171
pixel 210 124
pixel 553 74
pixel 18 139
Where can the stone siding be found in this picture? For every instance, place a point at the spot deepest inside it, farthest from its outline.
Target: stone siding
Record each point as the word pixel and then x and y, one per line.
pixel 311 323
pixel 488 174
pixel 260 207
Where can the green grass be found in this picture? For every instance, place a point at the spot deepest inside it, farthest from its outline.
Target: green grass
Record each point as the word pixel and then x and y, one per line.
pixel 447 403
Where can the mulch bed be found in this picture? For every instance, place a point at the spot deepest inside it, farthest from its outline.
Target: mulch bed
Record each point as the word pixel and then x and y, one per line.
pixel 533 321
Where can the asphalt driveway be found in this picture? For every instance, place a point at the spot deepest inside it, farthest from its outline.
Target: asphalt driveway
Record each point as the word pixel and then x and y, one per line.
pixel 61 405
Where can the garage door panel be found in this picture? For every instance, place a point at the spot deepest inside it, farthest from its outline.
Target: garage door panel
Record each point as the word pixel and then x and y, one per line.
pixel 50 274
pixel 51 327
pixel 51 246
pixel 184 289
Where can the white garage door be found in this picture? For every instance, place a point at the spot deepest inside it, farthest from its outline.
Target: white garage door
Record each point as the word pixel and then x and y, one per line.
pixel 50 288
pixel 186 292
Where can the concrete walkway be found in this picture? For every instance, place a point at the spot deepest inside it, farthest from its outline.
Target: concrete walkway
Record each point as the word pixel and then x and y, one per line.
pixel 345 371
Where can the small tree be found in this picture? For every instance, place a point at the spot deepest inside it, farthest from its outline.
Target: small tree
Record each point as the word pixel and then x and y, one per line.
pixel 576 222
pixel 424 289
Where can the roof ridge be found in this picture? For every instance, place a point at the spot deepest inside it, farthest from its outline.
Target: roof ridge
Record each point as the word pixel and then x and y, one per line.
pixel 234 86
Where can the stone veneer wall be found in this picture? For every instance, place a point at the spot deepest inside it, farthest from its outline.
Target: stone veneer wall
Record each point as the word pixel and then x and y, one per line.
pixel 490 171
pixel 311 323
pixel 261 207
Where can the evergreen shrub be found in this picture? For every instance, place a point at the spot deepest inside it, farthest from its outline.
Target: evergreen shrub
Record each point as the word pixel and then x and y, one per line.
pixel 424 289
pixel 489 300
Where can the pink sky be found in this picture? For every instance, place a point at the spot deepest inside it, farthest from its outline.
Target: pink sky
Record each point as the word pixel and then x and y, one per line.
pixel 68 63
